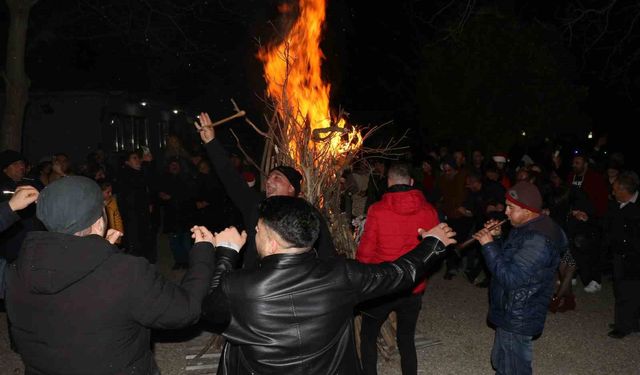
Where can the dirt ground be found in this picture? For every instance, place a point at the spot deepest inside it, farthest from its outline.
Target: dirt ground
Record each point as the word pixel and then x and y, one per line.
pixel 454 312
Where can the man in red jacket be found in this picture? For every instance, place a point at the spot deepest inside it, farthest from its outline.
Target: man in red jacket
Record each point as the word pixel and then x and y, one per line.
pixel 390 232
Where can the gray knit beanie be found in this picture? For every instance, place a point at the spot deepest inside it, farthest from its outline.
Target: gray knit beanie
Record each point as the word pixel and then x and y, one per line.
pixel 70 204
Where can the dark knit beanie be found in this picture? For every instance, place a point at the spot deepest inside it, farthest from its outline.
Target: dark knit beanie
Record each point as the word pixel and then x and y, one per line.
pixel 70 204
pixel 450 162
pixel 526 195
pixel 8 157
pixel 294 177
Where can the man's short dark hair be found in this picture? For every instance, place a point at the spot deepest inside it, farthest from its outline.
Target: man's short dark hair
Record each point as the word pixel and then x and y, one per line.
pixel 399 170
pixel 475 176
pixel 628 181
pixel 293 219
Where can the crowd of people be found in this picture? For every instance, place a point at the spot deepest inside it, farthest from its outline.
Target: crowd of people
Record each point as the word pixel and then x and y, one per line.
pixel 572 215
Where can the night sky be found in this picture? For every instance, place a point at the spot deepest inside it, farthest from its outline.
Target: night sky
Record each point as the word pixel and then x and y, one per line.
pixel 198 54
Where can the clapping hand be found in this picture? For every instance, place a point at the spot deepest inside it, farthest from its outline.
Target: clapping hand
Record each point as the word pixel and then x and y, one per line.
pixel 231 236
pixel 202 234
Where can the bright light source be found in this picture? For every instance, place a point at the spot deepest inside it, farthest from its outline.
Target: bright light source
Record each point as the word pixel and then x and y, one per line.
pixel 144 104
pixel 175 111
pixel 590 135
pixel 524 133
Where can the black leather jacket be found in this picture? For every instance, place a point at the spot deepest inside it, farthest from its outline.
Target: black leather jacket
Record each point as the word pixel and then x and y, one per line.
pixel 293 314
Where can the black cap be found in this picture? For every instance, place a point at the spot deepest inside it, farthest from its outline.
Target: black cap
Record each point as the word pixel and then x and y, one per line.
pixel 294 177
pixel 70 204
pixel 8 157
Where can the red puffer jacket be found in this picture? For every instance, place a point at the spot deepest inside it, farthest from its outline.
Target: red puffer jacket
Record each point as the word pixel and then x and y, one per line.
pixel 391 229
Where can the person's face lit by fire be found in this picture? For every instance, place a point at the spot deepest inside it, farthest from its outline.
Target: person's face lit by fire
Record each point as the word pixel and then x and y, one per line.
pixel 518 215
pixel 278 184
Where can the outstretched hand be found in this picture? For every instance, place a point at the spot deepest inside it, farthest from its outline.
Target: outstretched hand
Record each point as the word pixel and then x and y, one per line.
pixel 442 232
pixel 23 196
pixel 231 236
pixel 202 234
pixel 205 127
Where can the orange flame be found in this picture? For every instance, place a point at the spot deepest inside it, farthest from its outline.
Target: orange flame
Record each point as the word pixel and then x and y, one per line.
pixel 292 70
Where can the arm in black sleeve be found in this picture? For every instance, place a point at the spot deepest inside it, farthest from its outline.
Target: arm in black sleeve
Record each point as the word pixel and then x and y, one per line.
pixel 374 280
pixel 159 303
pixel 7 216
pixel 324 244
pixel 242 196
pixel 215 307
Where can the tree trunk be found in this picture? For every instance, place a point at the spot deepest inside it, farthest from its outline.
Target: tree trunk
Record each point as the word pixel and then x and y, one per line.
pixel 16 80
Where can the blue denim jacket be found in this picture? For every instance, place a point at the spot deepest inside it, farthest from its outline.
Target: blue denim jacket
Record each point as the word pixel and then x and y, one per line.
pixel 523 272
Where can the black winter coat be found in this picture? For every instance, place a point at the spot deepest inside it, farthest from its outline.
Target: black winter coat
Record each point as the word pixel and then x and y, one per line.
pixel 622 235
pixel 293 314
pixel 77 306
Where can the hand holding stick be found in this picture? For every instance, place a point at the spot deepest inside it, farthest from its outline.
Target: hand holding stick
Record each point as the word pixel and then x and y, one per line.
pixel 205 127
pixel 492 226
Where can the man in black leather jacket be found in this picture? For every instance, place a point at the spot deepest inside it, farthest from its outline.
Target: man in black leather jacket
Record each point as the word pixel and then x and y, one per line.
pixel 293 313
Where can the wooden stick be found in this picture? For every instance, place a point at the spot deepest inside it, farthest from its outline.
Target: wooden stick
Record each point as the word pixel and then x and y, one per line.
pixel 226 119
pixel 472 240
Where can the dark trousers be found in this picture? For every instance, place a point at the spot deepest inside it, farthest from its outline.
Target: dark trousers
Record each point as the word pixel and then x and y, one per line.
pixel 586 251
pixel 407 308
pixel 475 262
pixel 627 298
pixel 462 227
pixel 512 353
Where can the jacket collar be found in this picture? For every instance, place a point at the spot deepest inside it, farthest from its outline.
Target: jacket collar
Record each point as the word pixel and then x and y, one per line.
pixel 399 187
pixel 288 260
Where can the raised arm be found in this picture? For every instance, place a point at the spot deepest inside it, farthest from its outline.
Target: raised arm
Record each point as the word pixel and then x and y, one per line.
pixel 242 196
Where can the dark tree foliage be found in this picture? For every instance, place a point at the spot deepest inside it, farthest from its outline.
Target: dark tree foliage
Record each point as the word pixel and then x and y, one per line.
pixel 496 79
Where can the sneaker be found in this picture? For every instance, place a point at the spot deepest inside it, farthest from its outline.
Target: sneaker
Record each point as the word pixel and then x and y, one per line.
pixel 592 287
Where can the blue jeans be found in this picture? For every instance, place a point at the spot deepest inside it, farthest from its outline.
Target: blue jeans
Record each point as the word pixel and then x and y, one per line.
pixel 511 353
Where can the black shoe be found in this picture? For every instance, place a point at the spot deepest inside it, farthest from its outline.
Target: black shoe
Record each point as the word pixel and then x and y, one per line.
pixel 615 334
pixel 483 284
pixel 448 276
pixel 613 327
pixel 176 266
pixel 470 276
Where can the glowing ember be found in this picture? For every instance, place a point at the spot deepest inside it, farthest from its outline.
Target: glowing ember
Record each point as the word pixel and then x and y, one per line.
pixel 292 70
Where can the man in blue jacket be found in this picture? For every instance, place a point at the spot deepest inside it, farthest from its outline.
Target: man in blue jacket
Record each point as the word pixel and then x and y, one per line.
pixel 523 269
